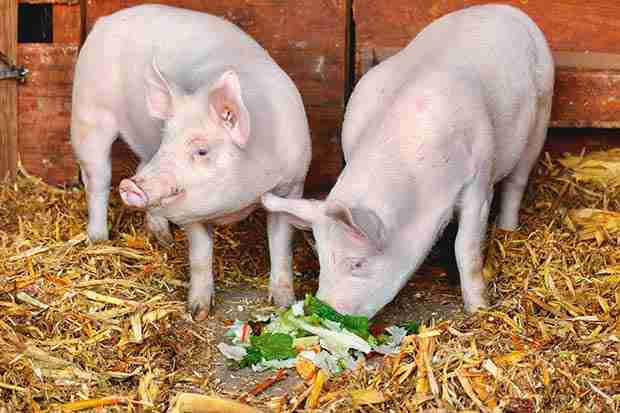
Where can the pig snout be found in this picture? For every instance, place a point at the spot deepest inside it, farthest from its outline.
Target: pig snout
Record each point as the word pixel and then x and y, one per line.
pixel 145 192
pixel 132 195
pixel 340 304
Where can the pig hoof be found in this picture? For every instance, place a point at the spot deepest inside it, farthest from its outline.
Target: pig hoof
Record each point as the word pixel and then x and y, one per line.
pixel 199 311
pixel 507 223
pixel 282 298
pixel 98 234
pixel 201 314
pixel 160 228
pixel 199 303
pixel 473 306
pixel 164 238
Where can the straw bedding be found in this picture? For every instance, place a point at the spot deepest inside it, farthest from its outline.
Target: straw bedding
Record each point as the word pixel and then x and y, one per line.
pixel 86 326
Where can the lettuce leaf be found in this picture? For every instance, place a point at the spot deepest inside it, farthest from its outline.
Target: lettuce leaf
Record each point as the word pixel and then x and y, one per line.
pixel 252 357
pixel 341 340
pixel 411 326
pixel 355 324
pixel 276 346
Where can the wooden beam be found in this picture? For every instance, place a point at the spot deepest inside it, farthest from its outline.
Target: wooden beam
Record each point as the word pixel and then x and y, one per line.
pixel 8 92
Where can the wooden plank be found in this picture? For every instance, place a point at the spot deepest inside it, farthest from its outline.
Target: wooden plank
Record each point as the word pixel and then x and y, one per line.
pixel 8 92
pixel 51 69
pixel 574 140
pixel 586 98
pixel 67 22
pixel 45 112
pixel 308 39
pixel 582 60
pixel 570 25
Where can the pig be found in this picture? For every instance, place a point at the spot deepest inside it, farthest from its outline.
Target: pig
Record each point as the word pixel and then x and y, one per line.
pixel 214 121
pixel 427 134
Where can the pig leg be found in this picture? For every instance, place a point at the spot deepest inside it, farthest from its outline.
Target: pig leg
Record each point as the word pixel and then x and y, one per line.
pixel 200 239
pixel 514 185
pixel 158 226
pixel 92 144
pixel 473 221
pixel 280 234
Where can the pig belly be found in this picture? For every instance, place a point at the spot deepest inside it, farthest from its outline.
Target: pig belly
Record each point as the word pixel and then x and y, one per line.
pixel 235 216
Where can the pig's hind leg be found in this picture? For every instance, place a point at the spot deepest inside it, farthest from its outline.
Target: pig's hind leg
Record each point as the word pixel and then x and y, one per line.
pixel 280 234
pixel 473 220
pixel 92 142
pixel 514 185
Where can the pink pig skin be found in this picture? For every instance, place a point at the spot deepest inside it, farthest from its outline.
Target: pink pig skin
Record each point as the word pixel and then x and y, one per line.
pixel 427 133
pixel 214 120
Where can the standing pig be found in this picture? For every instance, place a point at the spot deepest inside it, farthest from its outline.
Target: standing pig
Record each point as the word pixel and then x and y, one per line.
pixel 215 122
pixel 428 133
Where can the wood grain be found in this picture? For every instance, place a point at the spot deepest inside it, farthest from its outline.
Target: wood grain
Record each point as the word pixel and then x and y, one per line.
pixel 570 25
pixel 8 92
pixel 67 23
pixel 44 105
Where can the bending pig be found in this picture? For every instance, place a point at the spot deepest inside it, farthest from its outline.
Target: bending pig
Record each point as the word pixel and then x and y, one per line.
pixel 213 119
pixel 427 133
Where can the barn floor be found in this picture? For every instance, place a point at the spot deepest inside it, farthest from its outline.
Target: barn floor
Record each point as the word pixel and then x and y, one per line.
pixel 106 322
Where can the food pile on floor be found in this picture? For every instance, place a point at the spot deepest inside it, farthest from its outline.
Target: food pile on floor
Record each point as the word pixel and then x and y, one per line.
pixel 104 325
pixel 311 335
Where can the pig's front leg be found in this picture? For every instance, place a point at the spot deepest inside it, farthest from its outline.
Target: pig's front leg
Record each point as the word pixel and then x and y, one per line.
pixel 280 234
pixel 160 228
pixel 200 294
pixel 473 221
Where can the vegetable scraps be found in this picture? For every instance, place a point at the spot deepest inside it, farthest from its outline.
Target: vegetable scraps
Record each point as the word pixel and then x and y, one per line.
pixel 310 333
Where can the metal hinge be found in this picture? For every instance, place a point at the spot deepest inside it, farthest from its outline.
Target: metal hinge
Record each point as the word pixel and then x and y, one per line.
pixel 10 71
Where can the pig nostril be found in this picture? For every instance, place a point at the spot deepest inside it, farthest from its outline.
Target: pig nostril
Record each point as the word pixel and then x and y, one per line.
pixel 132 194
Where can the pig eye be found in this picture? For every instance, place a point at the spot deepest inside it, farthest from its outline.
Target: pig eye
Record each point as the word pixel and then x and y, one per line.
pixel 356 264
pixel 202 152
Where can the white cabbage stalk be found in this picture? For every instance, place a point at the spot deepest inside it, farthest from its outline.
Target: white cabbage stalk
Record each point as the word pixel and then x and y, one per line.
pixel 236 353
pixel 274 364
pixel 298 309
pixel 397 334
pixel 342 340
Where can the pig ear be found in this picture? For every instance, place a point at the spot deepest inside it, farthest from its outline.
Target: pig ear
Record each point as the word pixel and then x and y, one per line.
pixel 301 213
pixel 361 224
pixel 158 93
pixel 227 107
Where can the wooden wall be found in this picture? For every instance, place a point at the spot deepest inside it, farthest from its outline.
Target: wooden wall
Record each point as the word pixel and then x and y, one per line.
pixel 310 40
pixel 44 101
